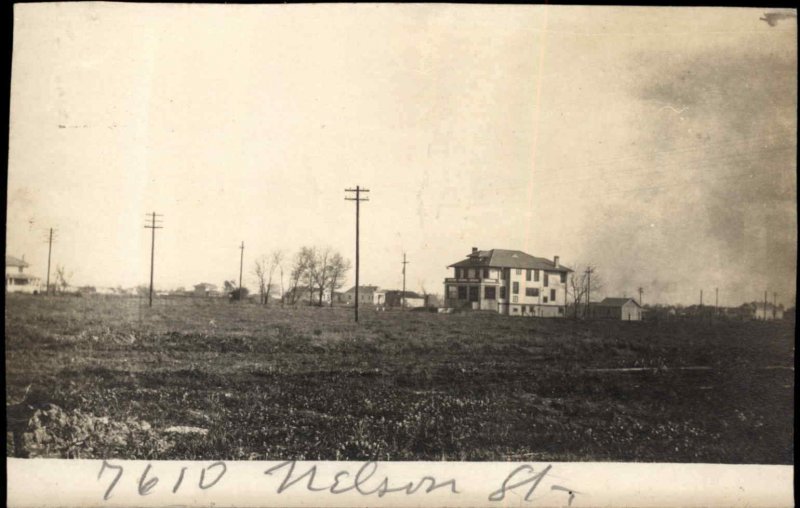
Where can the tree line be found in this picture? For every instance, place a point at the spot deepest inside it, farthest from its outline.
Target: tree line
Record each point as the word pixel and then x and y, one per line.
pixel 314 273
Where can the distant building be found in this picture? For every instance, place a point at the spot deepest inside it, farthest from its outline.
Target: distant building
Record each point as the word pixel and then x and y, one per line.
pixel 625 309
pixel 366 295
pixel 766 313
pixel 17 281
pixel 509 282
pixel 394 298
pixel 205 289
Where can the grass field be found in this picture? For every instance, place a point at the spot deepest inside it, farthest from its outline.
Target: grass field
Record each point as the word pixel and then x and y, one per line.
pixel 308 383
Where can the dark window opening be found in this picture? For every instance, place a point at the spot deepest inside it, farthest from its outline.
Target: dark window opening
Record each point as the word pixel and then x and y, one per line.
pixel 515 288
pixel 489 292
pixel 531 291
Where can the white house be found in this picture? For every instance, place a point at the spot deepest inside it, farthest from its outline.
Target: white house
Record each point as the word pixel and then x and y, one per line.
pixel 768 312
pixel 17 281
pixel 625 309
pixel 509 282
pixel 366 296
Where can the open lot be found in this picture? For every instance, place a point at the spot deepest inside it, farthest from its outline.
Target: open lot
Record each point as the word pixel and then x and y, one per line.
pixel 308 383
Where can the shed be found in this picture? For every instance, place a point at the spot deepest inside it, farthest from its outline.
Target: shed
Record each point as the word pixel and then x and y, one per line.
pixel 624 309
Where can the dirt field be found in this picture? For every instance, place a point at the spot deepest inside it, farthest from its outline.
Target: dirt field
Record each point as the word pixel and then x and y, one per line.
pixel 110 376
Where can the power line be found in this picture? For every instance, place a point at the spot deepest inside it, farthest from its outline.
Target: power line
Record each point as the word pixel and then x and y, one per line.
pixel 358 199
pixel 153 225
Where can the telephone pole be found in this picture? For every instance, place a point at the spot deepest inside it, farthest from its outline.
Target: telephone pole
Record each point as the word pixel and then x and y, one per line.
pixel 358 199
pixel 49 252
pixel 404 279
pixel 241 265
pixel 153 225
pixel 641 291
pixel 765 305
pixel 588 289
pixel 774 304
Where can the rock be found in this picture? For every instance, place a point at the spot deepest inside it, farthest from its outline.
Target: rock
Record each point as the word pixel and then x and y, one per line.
pixel 184 429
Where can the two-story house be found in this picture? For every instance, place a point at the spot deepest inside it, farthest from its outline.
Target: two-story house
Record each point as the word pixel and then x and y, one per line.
pixel 509 282
pixel 17 281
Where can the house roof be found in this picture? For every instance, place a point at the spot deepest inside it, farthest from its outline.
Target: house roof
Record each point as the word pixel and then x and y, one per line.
pixel 616 302
pixel 12 261
pixel 362 288
pixel 205 285
pixel 503 258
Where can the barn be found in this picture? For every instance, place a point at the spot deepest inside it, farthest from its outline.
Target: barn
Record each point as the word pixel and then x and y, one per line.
pixel 625 309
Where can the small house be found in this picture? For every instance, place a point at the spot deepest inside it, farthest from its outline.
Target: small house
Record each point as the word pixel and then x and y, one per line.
pixel 17 281
pixel 625 309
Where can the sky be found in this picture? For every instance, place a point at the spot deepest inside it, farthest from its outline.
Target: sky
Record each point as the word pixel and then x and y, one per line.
pixel 657 144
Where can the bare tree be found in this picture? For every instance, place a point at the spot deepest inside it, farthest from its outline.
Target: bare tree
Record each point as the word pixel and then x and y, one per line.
pixel 339 266
pixel 300 270
pixel 321 272
pixel 275 262
pixel 62 278
pixel 578 286
pixel 260 271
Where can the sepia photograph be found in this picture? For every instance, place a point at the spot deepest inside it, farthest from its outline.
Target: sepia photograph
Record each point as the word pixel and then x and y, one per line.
pixel 387 233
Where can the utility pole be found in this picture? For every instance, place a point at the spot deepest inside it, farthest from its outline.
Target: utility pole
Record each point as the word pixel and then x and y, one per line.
pixel 404 280
pixel 701 298
pixel 641 302
pixel 241 265
pixel 358 199
pixel 588 289
pixel 716 301
pixel 765 305
pixel 49 252
pixel 153 225
pixel 774 304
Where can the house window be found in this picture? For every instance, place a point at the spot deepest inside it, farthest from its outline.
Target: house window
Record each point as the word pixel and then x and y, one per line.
pixel 514 298
pixel 531 291
pixel 462 292
pixel 536 275
pixel 489 292
pixel 545 299
pixel 553 294
pixel 485 273
pixel 563 277
pixel 503 292
pixel 561 310
pixel 452 292
pixel 546 279
pixel 474 293
pixel 528 275
pixel 515 288
pixel 519 271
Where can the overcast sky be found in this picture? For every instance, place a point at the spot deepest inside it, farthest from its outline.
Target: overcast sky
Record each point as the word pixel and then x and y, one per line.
pixel 657 143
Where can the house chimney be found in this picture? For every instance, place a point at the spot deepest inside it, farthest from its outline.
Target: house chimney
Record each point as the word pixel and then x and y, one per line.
pixel 555 261
pixel 474 250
